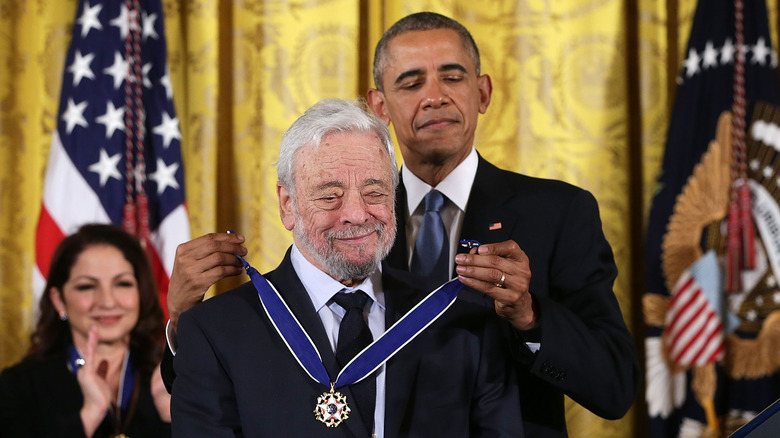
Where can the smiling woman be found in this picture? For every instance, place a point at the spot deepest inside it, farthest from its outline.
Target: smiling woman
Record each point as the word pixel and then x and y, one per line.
pixel 95 347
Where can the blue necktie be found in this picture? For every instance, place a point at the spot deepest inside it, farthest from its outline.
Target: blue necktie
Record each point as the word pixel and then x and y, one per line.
pixel 431 249
pixel 354 336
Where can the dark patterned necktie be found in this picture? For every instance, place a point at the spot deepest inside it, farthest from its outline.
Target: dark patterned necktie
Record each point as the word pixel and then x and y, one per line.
pixel 431 249
pixel 354 336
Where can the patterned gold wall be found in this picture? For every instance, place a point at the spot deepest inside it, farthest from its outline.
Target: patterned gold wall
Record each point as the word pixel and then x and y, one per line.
pixel 244 70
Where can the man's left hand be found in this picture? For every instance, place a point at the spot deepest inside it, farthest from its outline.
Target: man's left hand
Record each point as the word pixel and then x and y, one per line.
pixel 501 271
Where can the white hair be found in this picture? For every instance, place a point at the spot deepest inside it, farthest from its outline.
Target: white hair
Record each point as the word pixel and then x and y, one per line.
pixel 329 116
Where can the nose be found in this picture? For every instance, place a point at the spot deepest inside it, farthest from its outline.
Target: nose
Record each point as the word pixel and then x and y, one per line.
pixel 105 296
pixel 354 209
pixel 436 95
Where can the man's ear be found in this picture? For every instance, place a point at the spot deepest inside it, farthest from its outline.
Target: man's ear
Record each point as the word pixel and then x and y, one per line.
pixel 485 91
pixel 378 104
pixel 285 206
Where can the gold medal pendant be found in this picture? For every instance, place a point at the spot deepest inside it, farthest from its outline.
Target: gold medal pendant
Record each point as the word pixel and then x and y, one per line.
pixel 332 408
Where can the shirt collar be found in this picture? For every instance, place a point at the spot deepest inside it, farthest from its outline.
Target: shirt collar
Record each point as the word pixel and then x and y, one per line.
pixel 456 186
pixel 321 287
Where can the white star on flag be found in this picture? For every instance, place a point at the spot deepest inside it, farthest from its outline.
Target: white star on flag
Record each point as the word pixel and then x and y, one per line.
pixel 164 176
pixel 165 81
pixel 124 21
pixel 145 75
pixel 168 129
pixel 106 167
pixel 74 115
pixel 80 67
pixel 692 63
pixel 148 26
pixel 760 52
pixel 113 119
pixel 89 19
pixel 710 56
pixel 119 70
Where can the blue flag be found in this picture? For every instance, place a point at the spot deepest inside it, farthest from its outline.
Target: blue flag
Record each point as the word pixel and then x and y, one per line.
pixel 688 218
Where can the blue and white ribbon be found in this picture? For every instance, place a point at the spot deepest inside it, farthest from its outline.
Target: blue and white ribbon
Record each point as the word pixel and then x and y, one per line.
pixel 373 356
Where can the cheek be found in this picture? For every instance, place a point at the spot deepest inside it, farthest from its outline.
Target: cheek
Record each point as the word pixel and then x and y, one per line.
pixel 403 113
pixel 383 213
pixel 319 222
pixel 78 302
pixel 131 300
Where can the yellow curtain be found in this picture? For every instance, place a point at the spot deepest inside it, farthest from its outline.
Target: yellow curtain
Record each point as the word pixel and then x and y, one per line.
pixel 582 93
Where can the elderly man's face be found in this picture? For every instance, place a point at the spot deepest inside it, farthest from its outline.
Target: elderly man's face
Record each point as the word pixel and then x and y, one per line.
pixel 343 217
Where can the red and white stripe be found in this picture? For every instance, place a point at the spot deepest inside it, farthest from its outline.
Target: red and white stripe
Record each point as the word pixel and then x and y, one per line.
pixel 693 333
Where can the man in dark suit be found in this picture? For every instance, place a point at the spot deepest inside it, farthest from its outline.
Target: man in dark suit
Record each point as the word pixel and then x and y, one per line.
pixel 240 371
pixel 568 333
pixel 551 271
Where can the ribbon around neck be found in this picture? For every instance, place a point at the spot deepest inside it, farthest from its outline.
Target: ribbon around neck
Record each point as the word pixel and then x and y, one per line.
pixel 373 356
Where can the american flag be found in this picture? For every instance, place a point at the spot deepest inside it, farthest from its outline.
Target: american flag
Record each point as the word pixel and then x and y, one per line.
pixel 115 156
pixel 694 332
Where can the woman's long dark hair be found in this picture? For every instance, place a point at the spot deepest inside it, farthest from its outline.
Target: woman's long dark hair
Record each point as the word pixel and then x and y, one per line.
pixel 52 335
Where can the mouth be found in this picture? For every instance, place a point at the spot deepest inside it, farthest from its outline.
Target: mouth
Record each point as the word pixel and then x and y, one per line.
pixel 357 236
pixel 107 320
pixel 437 123
pixel 359 239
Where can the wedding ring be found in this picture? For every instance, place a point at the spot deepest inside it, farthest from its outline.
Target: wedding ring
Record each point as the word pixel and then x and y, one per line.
pixel 501 282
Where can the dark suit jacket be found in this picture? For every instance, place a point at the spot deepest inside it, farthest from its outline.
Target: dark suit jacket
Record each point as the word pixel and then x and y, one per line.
pixel 236 377
pixel 586 350
pixel 42 398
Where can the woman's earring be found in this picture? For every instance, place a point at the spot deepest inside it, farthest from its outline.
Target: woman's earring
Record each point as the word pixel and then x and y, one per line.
pixel 63 316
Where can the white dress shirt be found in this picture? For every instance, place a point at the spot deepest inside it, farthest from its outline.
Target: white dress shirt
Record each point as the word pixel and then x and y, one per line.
pixel 456 187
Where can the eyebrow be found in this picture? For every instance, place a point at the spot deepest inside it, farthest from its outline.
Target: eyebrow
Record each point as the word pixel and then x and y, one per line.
pixel 453 66
pixel 93 278
pixel 408 73
pixel 419 71
pixel 376 182
pixel 328 185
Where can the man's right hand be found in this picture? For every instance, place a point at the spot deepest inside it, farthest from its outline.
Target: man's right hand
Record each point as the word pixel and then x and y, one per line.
pixel 200 263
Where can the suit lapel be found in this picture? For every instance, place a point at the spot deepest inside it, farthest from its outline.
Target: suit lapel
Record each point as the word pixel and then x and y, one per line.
pixel 488 218
pixel 286 281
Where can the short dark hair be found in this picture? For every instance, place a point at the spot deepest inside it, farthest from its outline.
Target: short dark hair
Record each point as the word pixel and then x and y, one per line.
pixel 52 335
pixel 419 22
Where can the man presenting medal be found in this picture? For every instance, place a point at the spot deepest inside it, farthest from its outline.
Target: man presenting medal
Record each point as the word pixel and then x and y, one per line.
pixel 291 353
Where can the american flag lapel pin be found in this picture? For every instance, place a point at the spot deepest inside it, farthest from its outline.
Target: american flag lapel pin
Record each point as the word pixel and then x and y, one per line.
pixel 495 226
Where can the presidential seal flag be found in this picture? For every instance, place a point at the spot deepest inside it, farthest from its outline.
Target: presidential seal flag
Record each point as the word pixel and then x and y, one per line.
pixel 712 304
pixel 115 155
